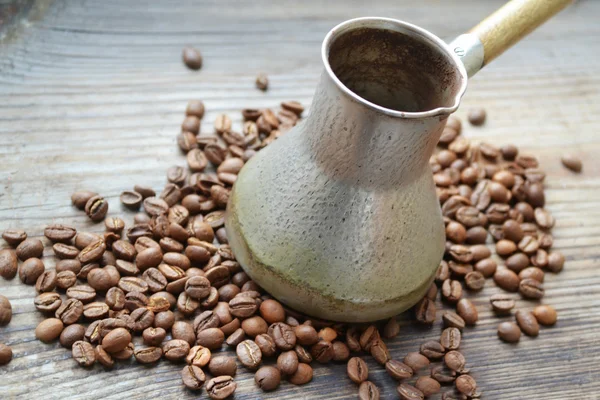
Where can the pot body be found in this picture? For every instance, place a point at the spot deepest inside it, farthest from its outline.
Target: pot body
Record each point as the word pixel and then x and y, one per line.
pixel 339 217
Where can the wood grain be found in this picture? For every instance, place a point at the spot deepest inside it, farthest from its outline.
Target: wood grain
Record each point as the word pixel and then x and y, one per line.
pixel 512 22
pixel 92 95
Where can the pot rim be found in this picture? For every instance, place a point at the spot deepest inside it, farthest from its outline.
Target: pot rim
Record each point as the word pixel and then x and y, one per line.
pixel 404 28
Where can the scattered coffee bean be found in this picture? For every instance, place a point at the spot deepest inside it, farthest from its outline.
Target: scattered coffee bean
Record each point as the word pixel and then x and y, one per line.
pixel 572 162
pixel 96 208
pixel 398 370
pixel 221 387
pixel 303 375
pixel 192 58
pixel 545 315
pixel 267 378
pixel 409 392
pixel 467 311
pixel 192 376
pixel 30 248
pixel 502 303
pixel 416 361
pixel 358 371
pixel 30 270
pixel 368 391
pixel 465 384
pixel 222 365
pixel 5 311
pixel 455 361
pixel 8 263
pixel 433 350
pixel 249 354
pixel 49 329
pixel 428 386
pixel 83 353
pixel 509 332
pixel 531 289
pixel 452 319
pixel 527 322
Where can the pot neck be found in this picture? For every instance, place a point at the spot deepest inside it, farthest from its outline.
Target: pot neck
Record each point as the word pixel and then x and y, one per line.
pixel 352 142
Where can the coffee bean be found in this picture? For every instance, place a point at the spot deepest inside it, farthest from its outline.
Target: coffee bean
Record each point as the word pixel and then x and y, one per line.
pixel 65 251
pixel 572 162
pixel 477 235
pixel 132 284
pixel 154 336
pixel 527 322
pixel 452 319
pixel 368 391
pixel 124 354
pixel 272 311
pixel 14 236
pixel 303 375
pixel 267 378
pixel 49 330
pixel 425 311
pixel 262 82
pixel 116 340
pixel 502 303
pixel 205 320
pixel 287 362
pixel 442 273
pixel 96 208
pixel 433 350
pixel 30 270
pixel 341 352
pixel 184 331
pixel 531 289
pixel 5 354
pixel 8 263
pixel 467 311
pixel 30 248
pixel 221 387
pixel 266 344
pixel 443 374
pixel 249 354
pixel 474 280
pixel 399 370
pixel 211 338
pixel 192 58
pixel 48 302
pixel 455 361
pixel 428 386
pixel 83 293
pixel 59 233
pixel 46 282
pixel 95 310
pixel 148 355
pixel 504 248
pixel 415 361
pixel 451 290
pixel 507 279
pixel 408 392
pixel 517 262
pixel 71 334
pixel 192 376
pixel 84 354
pixel 5 311
pixel 131 199
pixel 103 357
pixel 391 328
pixel 357 370
pixel 176 349
pixel 254 326
pixel 368 337
pixel 450 338
pixel 509 332
pixel 142 318
pixel 81 197
pixel 305 357
pixel 465 384
pixel 379 352
pixel 283 335
pixel 92 252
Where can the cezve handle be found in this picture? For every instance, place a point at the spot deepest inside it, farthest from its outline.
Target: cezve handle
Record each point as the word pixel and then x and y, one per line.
pixel 505 27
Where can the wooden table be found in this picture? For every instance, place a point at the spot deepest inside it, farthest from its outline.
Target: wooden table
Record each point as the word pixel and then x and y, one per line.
pixel 92 95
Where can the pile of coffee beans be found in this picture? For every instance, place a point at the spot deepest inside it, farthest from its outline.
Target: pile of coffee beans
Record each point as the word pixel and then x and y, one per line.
pixel 169 287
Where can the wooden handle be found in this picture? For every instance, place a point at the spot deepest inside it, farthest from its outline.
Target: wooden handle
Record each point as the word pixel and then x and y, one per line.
pixel 512 22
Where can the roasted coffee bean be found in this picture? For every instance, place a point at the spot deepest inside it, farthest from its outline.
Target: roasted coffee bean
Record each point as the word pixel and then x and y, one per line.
pixel 509 332
pixel 158 304
pixel 95 310
pixel 408 392
pixel 154 336
pixel 249 354
pixel 5 311
pixel 517 262
pixel 416 361
pixel 502 303
pixel 425 311
pixel 212 299
pixel 428 386
pixel 398 370
pixel 391 328
pixel 71 334
pixel 262 83
pixel 211 338
pixel 465 384
pixel 527 322
pixel 142 318
pixel 48 302
pixel 30 270
pixel 81 197
pixel 65 279
pixel 287 362
pixel 14 236
pixel 303 375
pixel 341 352
pixel 92 252
pixel 83 353
pixel 467 311
pixel 531 289
pixel 477 235
pixel 450 338
pixel 70 311
pixel 545 315
pixel 135 300
pixel 124 354
pixel 433 350
pixel 455 361
pixel 272 311
pixel 148 355
pixel 124 250
pixel 451 290
pixel 227 292
pixel 49 329
pixel 84 239
pixel 176 349
pixel 267 378
pixel 283 335
pixel 266 344
pixel 507 279
pixel 358 371
pixel 164 319
pixel 96 208
pixel 116 340
pixel 199 356
pixel 60 233
pixel 443 374
pixel 368 391
pixel 454 320
pixel 132 284
pixel 254 326
pixel 207 319
pixel 556 261
pixel 103 357
pixel 83 293
pixel 218 276
pixel 474 280
pixel 534 273
pixel 184 331
pixel 197 287
pixel 195 108
pixel 192 58
pixel 321 351
pixel 370 335
pixel 192 376
pixel 196 160
pixel 46 282
pixel 571 162
pixel 231 327
pixel 155 280
pixel 30 248
pixel 8 263
pixel 242 306
pixel 221 387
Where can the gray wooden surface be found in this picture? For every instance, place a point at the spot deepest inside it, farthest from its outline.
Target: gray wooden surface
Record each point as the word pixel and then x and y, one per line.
pixel 92 94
